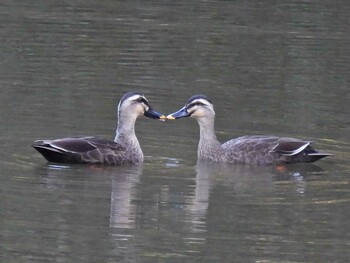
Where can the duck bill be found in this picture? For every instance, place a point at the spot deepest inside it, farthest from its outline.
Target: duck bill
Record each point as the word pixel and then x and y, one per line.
pixel 154 114
pixel 182 113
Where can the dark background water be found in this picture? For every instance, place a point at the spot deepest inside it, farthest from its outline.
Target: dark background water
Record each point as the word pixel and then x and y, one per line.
pixel 269 67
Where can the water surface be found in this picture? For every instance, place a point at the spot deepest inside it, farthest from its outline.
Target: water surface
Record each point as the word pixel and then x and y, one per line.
pixel 270 68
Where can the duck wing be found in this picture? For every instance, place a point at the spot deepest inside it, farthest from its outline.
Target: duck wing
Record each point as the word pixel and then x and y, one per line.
pixel 289 146
pixel 295 150
pixel 80 150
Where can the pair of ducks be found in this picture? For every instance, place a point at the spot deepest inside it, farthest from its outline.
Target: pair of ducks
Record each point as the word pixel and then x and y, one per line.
pixel 125 149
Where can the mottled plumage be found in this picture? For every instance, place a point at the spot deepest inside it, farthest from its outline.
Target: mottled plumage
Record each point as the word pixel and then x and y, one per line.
pixel 125 149
pixel 256 149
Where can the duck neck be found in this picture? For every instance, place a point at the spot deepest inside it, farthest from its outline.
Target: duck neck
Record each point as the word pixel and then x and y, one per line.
pixel 209 147
pixel 126 136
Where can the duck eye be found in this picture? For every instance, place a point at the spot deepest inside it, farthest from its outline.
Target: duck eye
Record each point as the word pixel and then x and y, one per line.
pixel 142 100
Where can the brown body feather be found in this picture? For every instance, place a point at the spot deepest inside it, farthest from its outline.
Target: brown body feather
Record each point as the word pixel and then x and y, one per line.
pixel 82 150
pixel 269 150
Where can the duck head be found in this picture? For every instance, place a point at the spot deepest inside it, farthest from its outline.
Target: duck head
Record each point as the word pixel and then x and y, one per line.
pixel 134 104
pixel 198 106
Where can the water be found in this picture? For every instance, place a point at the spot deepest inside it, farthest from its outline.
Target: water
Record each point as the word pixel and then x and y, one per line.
pixel 270 68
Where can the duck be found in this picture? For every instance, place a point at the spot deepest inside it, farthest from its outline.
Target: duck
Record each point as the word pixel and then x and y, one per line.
pixel 125 149
pixel 248 149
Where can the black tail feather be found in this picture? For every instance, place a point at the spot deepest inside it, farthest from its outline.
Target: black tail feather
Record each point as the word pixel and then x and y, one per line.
pixel 52 155
pixel 313 157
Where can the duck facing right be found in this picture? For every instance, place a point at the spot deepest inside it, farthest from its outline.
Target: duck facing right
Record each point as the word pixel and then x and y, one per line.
pixel 250 149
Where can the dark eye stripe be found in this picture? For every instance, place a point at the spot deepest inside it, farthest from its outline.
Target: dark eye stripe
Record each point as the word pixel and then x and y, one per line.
pixel 197 103
pixel 142 100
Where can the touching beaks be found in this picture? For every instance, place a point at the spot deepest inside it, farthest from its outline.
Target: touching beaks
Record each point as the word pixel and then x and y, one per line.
pixel 182 113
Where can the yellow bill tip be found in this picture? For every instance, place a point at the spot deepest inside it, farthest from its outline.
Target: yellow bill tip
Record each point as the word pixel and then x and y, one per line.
pixel 162 118
pixel 170 117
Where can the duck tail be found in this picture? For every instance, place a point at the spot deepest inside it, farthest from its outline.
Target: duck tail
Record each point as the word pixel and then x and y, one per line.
pixel 315 156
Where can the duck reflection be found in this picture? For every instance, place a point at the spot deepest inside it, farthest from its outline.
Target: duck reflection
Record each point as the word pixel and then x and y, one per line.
pixel 129 206
pixel 83 203
pixel 78 183
pixel 217 184
pixel 124 188
pixel 198 205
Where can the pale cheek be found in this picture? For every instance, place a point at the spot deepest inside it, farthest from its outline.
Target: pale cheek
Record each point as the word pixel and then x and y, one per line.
pixel 197 114
pixel 139 110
